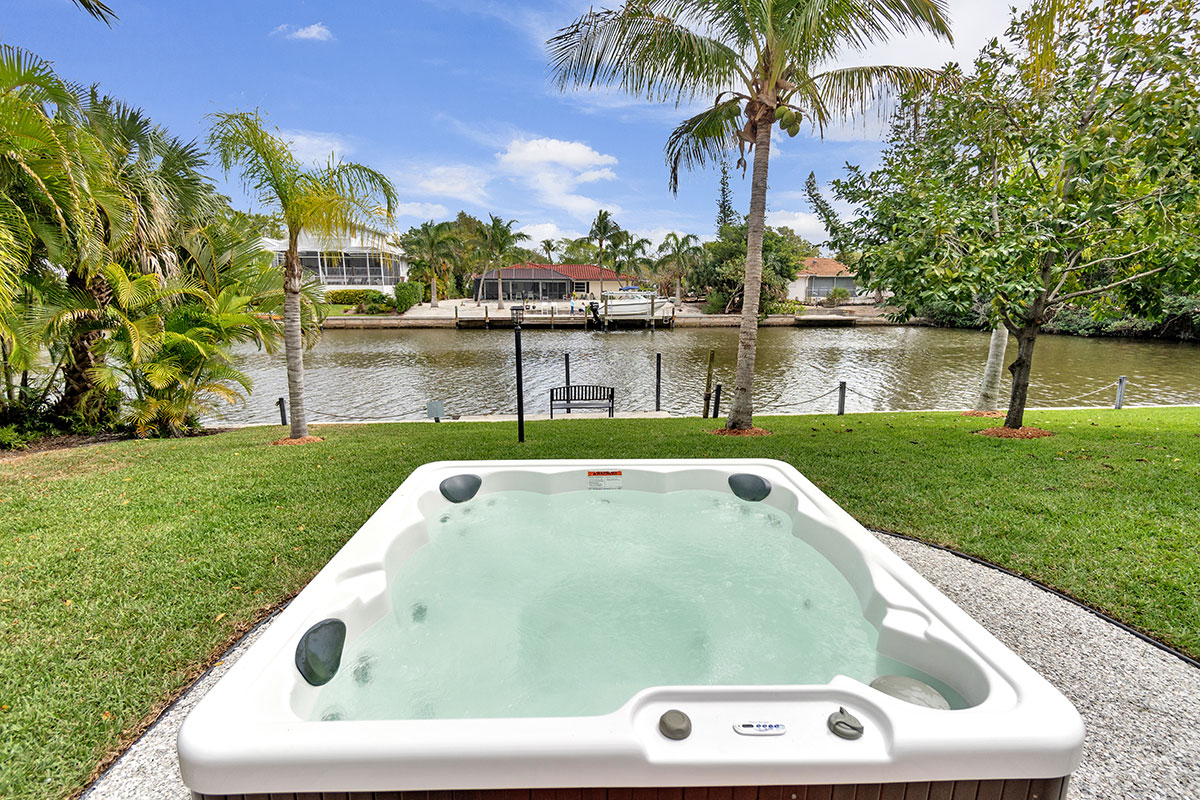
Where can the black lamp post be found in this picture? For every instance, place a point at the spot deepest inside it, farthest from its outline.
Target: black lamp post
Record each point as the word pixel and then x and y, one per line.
pixel 518 314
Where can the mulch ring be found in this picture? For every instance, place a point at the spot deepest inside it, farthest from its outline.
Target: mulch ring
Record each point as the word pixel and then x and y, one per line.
pixel 740 432
pixel 991 414
pixel 301 440
pixel 1015 433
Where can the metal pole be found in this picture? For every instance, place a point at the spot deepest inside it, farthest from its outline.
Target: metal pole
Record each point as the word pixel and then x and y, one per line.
pixel 282 411
pixel 717 401
pixel 658 381
pixel 567 364
pixel 520 385
pixel 1120 392
pixel 712 354
pixel 841 398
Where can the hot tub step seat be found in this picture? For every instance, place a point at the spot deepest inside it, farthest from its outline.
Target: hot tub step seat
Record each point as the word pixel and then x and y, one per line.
pixel 1024 789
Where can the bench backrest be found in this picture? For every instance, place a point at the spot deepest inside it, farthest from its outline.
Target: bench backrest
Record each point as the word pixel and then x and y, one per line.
pixel 581 391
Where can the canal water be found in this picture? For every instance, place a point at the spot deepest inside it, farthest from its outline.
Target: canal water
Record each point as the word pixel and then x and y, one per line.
pixel 390 374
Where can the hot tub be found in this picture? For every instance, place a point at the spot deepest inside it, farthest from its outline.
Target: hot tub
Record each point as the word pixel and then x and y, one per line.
pixel 625 630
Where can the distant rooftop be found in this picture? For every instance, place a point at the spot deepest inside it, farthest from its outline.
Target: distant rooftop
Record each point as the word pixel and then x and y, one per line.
pixel 824 267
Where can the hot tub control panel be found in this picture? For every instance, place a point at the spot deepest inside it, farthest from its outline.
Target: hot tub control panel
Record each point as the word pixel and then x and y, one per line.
pixel 760 728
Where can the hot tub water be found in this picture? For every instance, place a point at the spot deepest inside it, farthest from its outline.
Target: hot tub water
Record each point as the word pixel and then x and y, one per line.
pixel 524 604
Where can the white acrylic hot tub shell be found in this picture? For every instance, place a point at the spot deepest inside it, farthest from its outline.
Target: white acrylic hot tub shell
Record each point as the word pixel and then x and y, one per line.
pixel 247 736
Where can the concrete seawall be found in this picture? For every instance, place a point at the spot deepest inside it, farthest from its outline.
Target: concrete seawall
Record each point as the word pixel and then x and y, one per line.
pixel 688 321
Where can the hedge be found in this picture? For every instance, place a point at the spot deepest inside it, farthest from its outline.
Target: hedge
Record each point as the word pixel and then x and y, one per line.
pixel 352 297
pixel 408 295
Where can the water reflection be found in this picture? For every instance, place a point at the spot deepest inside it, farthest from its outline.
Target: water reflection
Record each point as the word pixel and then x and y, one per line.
pixel 386 374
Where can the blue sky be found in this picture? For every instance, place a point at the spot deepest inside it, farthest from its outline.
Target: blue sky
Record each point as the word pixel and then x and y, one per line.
pixel 450 98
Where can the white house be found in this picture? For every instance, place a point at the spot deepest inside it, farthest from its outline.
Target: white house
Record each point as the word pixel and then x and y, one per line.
pixel 819 277
pixel 348 263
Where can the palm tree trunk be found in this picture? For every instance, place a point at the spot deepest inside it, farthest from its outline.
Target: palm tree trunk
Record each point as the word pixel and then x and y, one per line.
pixel 433 303
pixel 741 410
pixel 77 383
pixel 9 388
pixel 293 343
pixel 678 292
pixel 499 289
pixel 989 389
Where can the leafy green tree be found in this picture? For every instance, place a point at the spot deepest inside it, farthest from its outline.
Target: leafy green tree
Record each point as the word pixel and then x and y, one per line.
pixel 333 200
pixel 723 268
pixel 677 257
pixel 1039 185
pixel 548 248
pixel 759 64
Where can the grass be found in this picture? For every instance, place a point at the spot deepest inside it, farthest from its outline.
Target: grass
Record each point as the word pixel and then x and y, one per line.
pixel 125 567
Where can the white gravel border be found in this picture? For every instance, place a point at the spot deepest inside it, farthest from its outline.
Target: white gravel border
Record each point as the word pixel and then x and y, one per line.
pixel 1140 704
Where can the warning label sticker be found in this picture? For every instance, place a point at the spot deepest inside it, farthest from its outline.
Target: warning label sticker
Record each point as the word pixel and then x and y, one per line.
pixel 604 479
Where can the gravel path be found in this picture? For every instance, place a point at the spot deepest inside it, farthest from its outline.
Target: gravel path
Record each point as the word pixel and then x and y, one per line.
pixel 1141 705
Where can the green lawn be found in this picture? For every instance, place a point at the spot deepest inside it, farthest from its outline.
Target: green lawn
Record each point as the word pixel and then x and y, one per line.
pixel 125 567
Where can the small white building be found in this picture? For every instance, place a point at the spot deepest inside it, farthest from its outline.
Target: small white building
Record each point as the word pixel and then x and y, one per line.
pixel 819 277
pixel 349 263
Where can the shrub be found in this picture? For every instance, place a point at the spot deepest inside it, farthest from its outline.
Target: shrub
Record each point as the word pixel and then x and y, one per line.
pixel 408 294
pixel 837 295
pixel 949 315
pixel 376 308
pixel 349 297
pixel 715 304
pixel 11 438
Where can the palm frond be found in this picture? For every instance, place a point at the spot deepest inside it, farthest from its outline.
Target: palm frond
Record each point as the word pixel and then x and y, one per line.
pixel 707 135
pixel 642 53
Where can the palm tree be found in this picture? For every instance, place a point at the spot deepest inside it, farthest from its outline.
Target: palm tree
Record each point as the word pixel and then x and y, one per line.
pixel 332 200
pixel 604 228
pixel 432 247
pixel 677 255
pixel 758 63
pixel 629 253
pixel 498 240
pixel 548 249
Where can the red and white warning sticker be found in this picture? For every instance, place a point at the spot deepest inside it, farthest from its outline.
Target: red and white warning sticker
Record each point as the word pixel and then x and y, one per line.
pixel 604 479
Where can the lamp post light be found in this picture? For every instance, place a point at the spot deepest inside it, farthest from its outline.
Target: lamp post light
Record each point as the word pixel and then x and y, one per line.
pixel 518 314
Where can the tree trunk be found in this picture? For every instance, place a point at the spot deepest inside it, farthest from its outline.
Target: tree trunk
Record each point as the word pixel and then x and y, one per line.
pixel 77 384
pixel 499 289
pixel 678 292
pixel 293 343
pixel 741 409
pixel 9 388
pixel 1026 337
pixel 989 390
pixel 433 289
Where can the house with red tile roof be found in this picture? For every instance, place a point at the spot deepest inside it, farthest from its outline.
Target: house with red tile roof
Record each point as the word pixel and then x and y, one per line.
pixel 819 276
pixel 550 282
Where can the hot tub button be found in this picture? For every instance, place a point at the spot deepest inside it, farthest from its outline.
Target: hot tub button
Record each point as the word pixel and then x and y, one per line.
pixel 845 724
pixel 757 728
pixel 675 724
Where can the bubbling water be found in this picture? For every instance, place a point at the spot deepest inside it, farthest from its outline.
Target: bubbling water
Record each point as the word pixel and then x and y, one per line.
pixel 568 604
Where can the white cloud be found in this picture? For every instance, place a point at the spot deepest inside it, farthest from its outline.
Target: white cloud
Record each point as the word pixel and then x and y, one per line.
pixel 461 181
pixel 803 223
pixel 317 32
pixel 546 230
pixel 535 152
pixel 421 210
pixel 310 146
pixel 552 169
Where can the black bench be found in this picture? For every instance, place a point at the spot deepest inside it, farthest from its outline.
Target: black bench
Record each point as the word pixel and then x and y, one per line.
pixel 581 395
